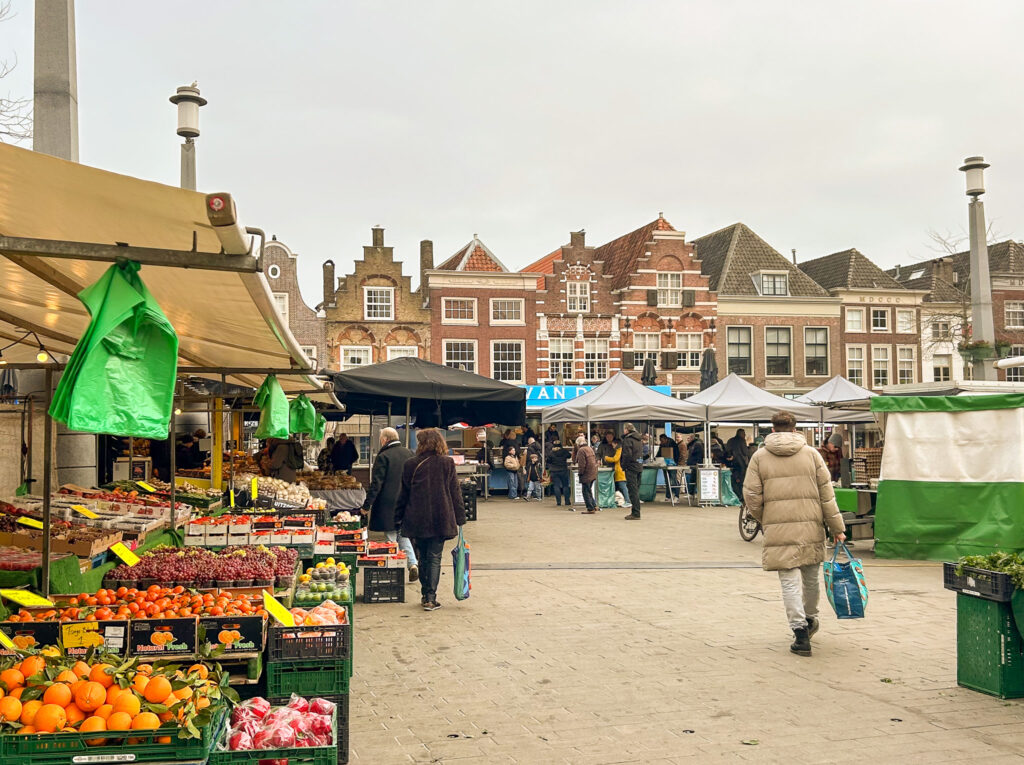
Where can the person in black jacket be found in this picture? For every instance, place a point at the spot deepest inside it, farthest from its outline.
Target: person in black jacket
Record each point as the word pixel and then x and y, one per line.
pixel 429 508
pixel 633 466
pixel 606 448
pixel 344 455
pixel 558 467
pixel 507 442
pixel 382 493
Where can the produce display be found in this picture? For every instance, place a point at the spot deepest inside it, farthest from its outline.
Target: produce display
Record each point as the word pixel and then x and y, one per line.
pixel 256 725
pixel 198 567
pixel 346 517
pixel 327 613
pixel 153 602
pixel 328 481
pixel 20 559
pixel 327 581
pixel 224 530
pixel 65 536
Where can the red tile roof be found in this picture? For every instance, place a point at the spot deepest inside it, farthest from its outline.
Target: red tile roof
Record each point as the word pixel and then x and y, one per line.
pixel 473 257
pixel 620 255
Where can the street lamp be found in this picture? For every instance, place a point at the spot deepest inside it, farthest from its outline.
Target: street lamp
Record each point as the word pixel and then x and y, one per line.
pixel 982 323
pixel 188 101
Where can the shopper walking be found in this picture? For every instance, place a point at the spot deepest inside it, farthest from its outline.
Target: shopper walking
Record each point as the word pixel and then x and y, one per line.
pixel 534 477
pixel 618 475
pixel 511 465
pixel 558 467
pixel 382 494
pixel 429 509
pixel 789 492
pixel 737 452
pixel 586 464
pixel 632 466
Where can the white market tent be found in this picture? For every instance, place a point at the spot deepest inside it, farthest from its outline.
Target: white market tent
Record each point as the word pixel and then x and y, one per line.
pixel 735 400
pixel 838 392
pixel 621 398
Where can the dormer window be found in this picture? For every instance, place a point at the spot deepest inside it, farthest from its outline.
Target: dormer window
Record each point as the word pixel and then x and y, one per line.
pixel 917 274
pixel 774 283
pixel 577 296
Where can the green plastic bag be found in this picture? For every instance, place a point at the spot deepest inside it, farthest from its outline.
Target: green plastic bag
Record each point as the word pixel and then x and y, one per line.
pixel 120 378
pixel 273 405
pixel 321 426
pixel 301 415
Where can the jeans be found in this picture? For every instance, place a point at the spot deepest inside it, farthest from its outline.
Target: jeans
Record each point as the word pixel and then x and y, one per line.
pixel 623 488
pixel 588 494
pixel 513 485
pixel 800 593
pixel 534 489
pixel 633 483
pixel 560 486
pixel 405 545
pixel 428 550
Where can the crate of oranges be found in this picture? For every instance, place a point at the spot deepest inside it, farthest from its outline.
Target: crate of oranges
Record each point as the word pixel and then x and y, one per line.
pixel 55 708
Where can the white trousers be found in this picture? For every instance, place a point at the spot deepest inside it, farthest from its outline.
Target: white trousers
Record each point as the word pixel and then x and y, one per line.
pixel 800 593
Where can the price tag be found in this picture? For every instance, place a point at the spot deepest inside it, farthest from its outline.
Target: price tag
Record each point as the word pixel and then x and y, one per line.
pixel 32 523
pixel 25 598
pixel 82 510
pixel 275 609
pixel 232 497
pixel 124 554
pixel 6 642
pixel 145 486
pixel 255 488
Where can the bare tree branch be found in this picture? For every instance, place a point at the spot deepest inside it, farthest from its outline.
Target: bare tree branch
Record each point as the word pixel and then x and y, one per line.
pixel 15 113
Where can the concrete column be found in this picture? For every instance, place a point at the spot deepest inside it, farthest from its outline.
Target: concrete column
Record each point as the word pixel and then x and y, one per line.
pixel 982 321
pixel 55 107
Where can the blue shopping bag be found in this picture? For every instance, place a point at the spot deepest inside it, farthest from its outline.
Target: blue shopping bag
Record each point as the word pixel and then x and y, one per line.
pixel 845 585
pixel 460 557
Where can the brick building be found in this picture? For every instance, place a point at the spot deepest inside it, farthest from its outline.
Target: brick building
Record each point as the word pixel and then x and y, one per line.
pixel 373 314
pixel 306 324
pixel 482 316
pixel 880 323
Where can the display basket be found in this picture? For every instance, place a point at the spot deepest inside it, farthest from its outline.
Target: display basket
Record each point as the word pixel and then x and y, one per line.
pixel 979 582
pixel 309 755
pixel 309 679
pixel 328 641
pixel 384 585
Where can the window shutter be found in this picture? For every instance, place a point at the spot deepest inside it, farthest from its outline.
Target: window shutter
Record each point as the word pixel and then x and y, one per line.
pixel 689 298
pixel 652 297
pixel 669 360
pixel 627 359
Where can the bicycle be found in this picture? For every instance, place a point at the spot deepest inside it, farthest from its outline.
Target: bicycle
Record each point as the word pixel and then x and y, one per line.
pixel 749 527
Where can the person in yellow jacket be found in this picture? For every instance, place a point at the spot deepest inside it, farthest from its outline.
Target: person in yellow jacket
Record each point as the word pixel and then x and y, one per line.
pixel 615 460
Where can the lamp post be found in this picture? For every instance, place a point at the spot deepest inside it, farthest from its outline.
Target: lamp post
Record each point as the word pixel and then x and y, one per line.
pixel 188 101
pixel 982 323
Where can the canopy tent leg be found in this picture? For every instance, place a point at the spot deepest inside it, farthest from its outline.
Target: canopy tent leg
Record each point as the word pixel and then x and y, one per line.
pixel 47 481
pixel 217 454
pixel 174 456
pixel 408 425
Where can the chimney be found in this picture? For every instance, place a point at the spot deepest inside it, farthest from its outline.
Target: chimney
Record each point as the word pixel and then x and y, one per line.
pixel 943 269
pixel 896 275
pixel 426 262
pixel 577 238
pixel 794 255
pixel 378 236
pixel 329 284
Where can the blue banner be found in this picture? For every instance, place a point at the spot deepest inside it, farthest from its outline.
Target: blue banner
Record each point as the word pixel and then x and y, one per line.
pixel 540 396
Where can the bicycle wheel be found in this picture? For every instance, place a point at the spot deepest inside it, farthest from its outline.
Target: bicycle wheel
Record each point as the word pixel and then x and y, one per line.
pixel 749 527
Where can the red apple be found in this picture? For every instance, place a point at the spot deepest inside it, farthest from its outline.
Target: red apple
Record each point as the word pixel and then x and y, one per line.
pixel 298 703
pixel 262 740
pixel 240 741
pixel 321 707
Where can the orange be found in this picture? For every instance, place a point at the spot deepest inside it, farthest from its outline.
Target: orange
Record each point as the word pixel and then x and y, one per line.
pixel 145 669
pixel 201 669
pixel 113 692
pixel 202 702
pixel 183 693
pixel 104 711
pixel 50 718
pixel 59 694
pixel 90 696
pixel 98 674
pixel 12 678
pixel 81 669
pixel 32 665
pixel 139 683
pixel 146 721
pixel 67 676
pixel 163 739
pixel 24 730
pixel 16 693
pixel 74 714
pixel 119 721
pixel 166 716
pixel 128 702
pixel 10 708
pixel 28 711
pixel 76 685
pixel 92 725
pixel 158 689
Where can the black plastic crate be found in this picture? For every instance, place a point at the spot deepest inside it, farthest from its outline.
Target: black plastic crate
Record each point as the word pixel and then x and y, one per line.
pixel 329 641
pixel 469 501
pixel 987 585
pixel 384 585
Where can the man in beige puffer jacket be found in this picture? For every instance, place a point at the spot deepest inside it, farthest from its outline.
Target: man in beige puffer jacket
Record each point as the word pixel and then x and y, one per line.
pixel 788 490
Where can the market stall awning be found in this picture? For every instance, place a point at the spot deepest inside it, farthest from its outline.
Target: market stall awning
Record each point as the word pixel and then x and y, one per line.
pixel 621 398
pixel 735 400
pixel 838 400
pixel 437 395
pixel 223 319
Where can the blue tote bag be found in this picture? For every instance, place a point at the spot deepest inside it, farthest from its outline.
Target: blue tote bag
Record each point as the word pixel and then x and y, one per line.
pixel 460 557
pixel 845 585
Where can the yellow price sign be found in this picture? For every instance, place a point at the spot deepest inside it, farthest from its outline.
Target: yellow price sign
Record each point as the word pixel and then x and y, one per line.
pixel 124 553
pixel 232 497
pixel 145 486
pixel 275 609
pixel 6 642
pixel 25 598
pixel 255 492
pixel 32 523
pixel 82 510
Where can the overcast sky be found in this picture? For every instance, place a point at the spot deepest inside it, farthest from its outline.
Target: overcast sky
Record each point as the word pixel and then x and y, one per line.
pixel 821 125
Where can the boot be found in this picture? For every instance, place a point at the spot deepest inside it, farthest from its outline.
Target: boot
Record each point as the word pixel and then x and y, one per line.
pixel 802 645
pixel 812 626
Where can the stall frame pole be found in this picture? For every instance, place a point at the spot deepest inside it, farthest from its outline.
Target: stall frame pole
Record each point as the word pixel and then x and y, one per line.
pixel 408 424
pixel 47 483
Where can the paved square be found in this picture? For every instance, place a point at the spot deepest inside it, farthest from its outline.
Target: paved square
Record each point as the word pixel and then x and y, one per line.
pixel 591 640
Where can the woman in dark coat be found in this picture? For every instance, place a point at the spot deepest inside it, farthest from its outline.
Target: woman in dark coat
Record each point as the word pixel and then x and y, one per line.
pixel 429 508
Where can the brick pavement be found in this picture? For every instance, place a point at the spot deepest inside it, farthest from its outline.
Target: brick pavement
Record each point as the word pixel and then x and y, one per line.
pixel 685 661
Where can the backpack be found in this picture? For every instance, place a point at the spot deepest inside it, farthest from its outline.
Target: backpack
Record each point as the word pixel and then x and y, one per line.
pixel 295 459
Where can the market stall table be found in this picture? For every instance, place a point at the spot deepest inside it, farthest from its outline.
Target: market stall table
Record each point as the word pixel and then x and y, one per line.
pixel 340 499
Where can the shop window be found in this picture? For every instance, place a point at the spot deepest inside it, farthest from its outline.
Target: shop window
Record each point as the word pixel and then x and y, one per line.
pixel 353 356
pixel 816 351
pixel 777 351
pixel 739 350
pixel 460 354
pixel 379 303
pixel 595 358
pixel 690 346
pixel 507 361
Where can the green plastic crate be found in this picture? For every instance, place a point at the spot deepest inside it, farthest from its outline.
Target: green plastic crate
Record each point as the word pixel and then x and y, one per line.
pixel 309 679
pixel 63 748
pixel 989 648
pixel 313 755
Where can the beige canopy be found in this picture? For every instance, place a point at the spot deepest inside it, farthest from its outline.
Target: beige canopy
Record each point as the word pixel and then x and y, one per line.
pixel 222 318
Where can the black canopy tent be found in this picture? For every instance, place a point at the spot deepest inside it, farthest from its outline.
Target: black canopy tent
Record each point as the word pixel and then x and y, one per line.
pixel 431 394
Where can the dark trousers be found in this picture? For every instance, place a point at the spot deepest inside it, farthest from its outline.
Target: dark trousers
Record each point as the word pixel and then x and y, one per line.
pixel 560 486
pixel 633 484
pixel 588 495
pixel 428 551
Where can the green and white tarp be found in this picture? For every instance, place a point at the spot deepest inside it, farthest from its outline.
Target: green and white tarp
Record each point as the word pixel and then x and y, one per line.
pixel 952 480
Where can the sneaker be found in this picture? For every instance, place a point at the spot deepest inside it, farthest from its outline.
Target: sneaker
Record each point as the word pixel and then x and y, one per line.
pixel 632 517
pixel 589 512
pixel 432 606
pixel 802 645
pixel 813 623
pixel 414 573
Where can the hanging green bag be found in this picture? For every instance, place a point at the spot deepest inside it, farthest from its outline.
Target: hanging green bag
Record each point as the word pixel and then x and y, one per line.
pixel 301 415
pixel 321 426
pixel 273 405
pixel 120 378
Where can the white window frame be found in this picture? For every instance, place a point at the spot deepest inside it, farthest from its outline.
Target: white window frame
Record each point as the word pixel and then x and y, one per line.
pixel 555 364
pixel 862 360
pixel 900 364
pixel 444 311
pixel 366 303
pixel 828 361
pixel 583 298
pixel 646 350
pixel 521 321
pixel 670 295
pixel 904 312
pixel 689 352
pixel 280 297
pixel 850 312
pixel 458 364
pixel 888 365
pixel 750 345
pixel 947 337
pixel 522 361
pixel 948 366
pixel 888 320
pixel 760 283
pixel 310 351
pixel 344 348
pixel 403 352
pixel 1015 374
pixel 791 354
pixel 601 357
pixel 1018 313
